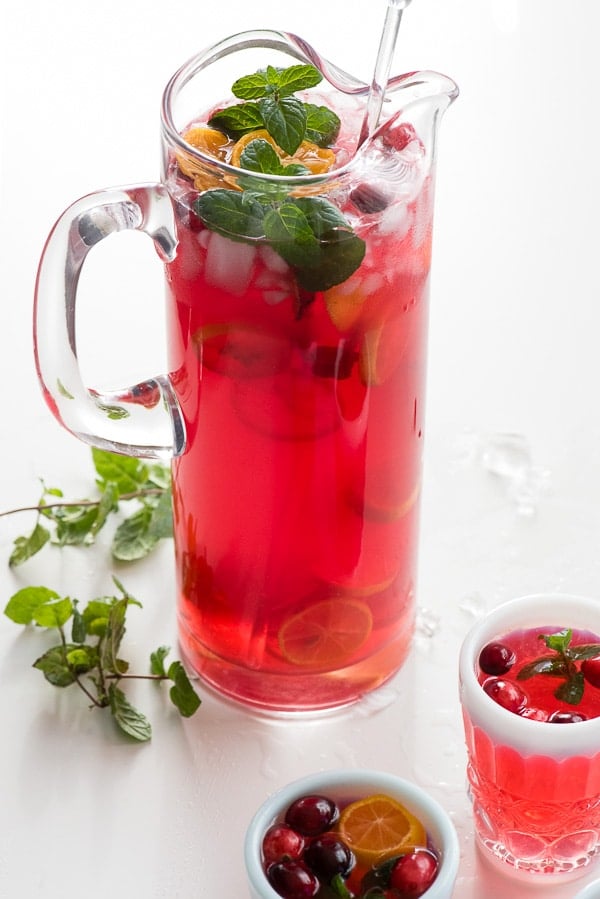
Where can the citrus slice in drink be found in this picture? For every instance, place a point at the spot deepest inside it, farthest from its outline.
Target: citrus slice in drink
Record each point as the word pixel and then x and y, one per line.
pixel 327 634
pixel 240 350
pixel 316 159
pixel 207 140
pixel 379 827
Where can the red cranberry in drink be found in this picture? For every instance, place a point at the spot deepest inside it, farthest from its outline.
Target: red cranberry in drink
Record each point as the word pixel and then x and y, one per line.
pixel 293 880
pixel 368 199
pixel 414 873
pixel 566 718
pixel 508 695
pixel 311 815
pixel 400 136
pixel 281 843
pixel 496 659
pixel 591 671
pixel 328 856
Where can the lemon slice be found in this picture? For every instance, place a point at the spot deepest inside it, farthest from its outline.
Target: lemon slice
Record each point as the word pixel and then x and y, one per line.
pixel 326 634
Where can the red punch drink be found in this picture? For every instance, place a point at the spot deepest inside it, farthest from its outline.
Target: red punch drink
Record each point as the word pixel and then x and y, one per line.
pixel 297 268
pixel 302 389
pixel 531 706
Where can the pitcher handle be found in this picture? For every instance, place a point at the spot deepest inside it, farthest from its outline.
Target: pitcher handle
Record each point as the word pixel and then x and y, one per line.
pixel 143 420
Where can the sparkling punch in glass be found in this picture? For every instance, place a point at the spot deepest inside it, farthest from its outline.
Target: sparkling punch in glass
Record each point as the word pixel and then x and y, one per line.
pixel 532 725
pixel 297 299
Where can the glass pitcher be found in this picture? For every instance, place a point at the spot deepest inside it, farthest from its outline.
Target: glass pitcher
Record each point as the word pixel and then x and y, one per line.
pixel 297 273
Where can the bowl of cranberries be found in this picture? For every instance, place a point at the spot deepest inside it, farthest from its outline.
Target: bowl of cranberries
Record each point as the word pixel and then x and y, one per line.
pixel 351 834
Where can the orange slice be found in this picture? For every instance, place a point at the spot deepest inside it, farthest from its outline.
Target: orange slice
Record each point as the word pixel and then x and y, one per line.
pixel 326 634
pixel 213 143
pixel 315 158
pixel 379 827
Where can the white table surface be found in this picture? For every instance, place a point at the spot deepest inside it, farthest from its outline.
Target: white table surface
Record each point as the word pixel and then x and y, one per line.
pixel 513 350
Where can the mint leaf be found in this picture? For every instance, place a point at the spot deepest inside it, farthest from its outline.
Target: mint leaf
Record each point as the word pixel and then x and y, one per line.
pixel 552 665
pixel 157 661
pixel 231 213
pixel 285 120
pixel 129 719
pixel 560 641
pixel 82 659
pixel 26 547
pixel 160 525
pixel 113 635
pixel 339 888
pixel 95 616
pixel 290 234
pixel 132 539
pixel 237 120
pixel 322 125
pixel 54 613
pixel 572 689
pixel 297 78
pixel 54 665
pixel 126 472
pixel 183 696
pixel 78 629
pixel 584 651
pixel 21 607
pixel 251 87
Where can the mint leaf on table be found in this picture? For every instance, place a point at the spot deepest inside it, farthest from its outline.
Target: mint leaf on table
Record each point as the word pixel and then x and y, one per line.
pixel 120 479
pixel 92 659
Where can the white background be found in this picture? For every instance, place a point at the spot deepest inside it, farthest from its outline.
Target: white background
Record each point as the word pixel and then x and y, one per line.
pixel 513 351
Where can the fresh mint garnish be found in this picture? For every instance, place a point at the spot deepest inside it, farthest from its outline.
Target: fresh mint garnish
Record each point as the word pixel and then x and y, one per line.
pixel 91 658
pixel 309 232
pixel 562 664
pixel 120 480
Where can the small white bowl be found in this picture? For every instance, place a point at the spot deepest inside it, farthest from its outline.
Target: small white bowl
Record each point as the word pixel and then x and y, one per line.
pixel 349 785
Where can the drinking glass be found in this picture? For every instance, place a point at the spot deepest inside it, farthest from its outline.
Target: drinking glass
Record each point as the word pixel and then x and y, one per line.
pixel 535 785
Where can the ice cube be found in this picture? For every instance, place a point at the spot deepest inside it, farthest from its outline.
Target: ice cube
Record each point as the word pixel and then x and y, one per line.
pixel 229 264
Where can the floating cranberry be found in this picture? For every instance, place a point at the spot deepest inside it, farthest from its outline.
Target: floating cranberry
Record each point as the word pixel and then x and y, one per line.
pixel 329 856
pixel 591 671
pixel 496 658
pixel 414 872
pixel 566 718
pixel 311 815
pixel 506 694
pixel 281 843
pixel 400 136
pixel 368 199
pixel 293 880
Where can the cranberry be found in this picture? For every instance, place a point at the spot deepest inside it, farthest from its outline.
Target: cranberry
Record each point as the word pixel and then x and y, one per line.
pixel 400 136
pixel 496 658
pixel 280 843
pixel 591 671
pixel 506 694
pixel 566 718
pixel 329 856
pixel 414 872
pixel 293 880
pixel 368 199
pixel 311 815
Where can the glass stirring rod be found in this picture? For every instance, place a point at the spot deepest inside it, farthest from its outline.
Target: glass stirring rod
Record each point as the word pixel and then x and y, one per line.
pixel 383 62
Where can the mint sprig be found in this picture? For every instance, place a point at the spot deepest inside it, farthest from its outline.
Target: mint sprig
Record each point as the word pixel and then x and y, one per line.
pixel 120 480
pixel 562 664
pixel 90 657
pixel 310 233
